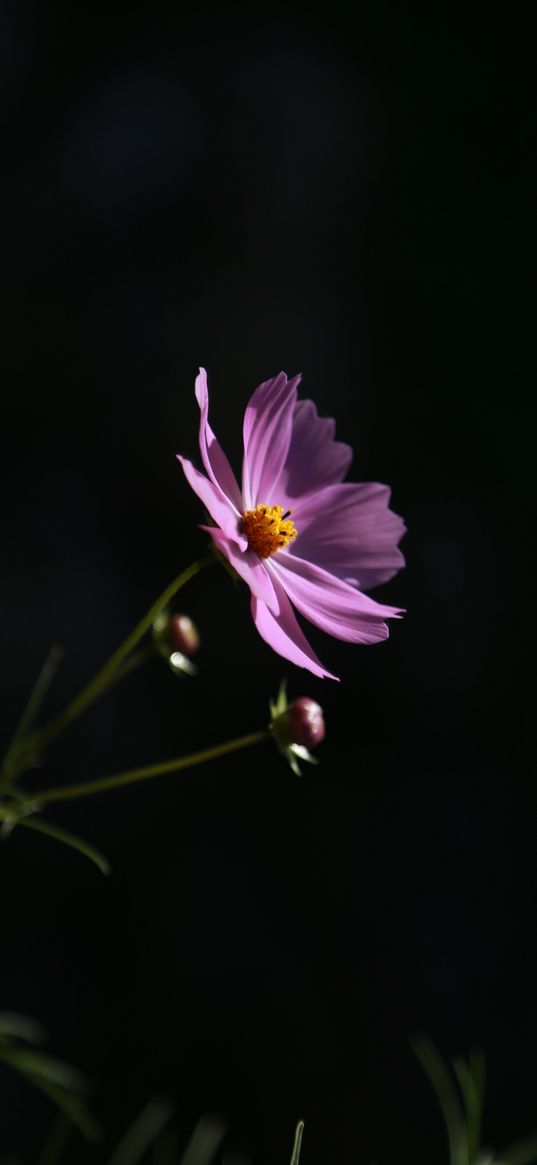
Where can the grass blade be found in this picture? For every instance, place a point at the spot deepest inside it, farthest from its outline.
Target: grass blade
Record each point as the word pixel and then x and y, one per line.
pixel 143 1132
pixel 523 1152
pixel 70 839
pixel 55 1080
pixel 56 1141
pixel 297 1143
pixel 442 1082
pixel 472 1105
pixel 34 702
pixel 19 1027
pixel 205 1140
pixel 39 1065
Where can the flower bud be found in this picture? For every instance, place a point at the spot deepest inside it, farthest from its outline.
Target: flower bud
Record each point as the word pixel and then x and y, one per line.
pixel 183 635
pixel 304 722
pixel 296 727
pixel 176 638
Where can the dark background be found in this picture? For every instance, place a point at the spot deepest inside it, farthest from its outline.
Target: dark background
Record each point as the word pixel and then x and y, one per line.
pixel 345 190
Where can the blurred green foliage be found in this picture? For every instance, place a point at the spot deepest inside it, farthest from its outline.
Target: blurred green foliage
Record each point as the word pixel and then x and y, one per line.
pixel 460 1088
pixel 65 1086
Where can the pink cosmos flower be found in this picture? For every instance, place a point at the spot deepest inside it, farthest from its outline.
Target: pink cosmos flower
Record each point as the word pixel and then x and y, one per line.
pixel 296 533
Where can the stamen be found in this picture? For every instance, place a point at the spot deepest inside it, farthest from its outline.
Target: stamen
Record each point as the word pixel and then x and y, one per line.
pixel 267 529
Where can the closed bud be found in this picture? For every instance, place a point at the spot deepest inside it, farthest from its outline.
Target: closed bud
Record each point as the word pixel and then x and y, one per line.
pixel 183 635
pixel 296 727
pixel 176 637
pixel 304 722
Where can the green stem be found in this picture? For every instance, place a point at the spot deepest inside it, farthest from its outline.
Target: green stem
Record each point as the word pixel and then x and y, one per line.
pixel 131 664
pixel 33 704
pixel 37 695
pixel 87 788
pixel 77 843
pixel 297 1143
pixel 38 741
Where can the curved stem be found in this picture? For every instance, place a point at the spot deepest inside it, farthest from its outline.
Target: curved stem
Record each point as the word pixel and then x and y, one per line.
pixel 38 741
pixel 88 788
pixel 131 664
pixel 36 697
pixel 77 843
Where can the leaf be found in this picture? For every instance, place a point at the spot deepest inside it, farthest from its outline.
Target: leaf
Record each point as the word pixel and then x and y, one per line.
pixel 278 706
pixel 205 1140
pixel 448 1099
pixel 181 665
pixel 56 1141
pixel 143 1132
pixel 472 1103
pixel 19 1027
pixel 77 843
pixel 523 1152
pixel 34 702
pixel 40 1066
pixel 297 1143
pixel 165 1150
pixel 74 1107
pixel 57 1081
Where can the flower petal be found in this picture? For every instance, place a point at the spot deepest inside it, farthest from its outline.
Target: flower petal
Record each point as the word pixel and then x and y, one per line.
pixel 330 603
pixel 267 432
pixel 282 632
pixel 349 530
pixel 247 565
pixel 216 502
pixel 213 456
pixel 314 458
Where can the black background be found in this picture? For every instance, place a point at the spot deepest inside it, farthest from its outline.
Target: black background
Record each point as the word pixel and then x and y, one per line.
pixel 347 191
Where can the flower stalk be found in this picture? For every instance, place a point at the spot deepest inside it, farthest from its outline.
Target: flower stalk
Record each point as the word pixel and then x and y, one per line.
pixel 132 776
pixel 120 663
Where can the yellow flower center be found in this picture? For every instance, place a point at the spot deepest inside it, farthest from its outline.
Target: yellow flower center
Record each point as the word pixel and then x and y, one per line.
pixel 267 529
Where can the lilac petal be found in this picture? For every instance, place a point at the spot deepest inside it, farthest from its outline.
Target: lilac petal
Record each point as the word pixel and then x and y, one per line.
pixel 282 632
pixel 330 603
pixel 218 505
pixel 314 458
pixel 267 432
pixel 213 456
pixel 248 566
pixel 349 530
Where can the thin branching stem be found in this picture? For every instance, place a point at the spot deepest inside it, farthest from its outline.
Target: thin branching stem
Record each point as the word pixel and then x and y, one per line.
pixel 132 776
pixel 38 741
